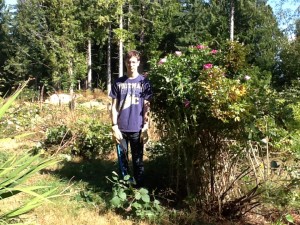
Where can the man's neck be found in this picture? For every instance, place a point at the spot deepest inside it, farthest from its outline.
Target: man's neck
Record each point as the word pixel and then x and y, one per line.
pixel 132 75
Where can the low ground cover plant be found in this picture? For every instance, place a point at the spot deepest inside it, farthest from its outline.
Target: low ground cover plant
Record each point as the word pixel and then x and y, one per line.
pixel 135 202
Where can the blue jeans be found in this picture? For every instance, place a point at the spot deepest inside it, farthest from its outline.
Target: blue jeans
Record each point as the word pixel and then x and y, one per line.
pixel 137 151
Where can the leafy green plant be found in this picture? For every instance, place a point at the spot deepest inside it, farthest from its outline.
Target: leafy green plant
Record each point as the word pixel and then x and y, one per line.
pixel 14 173
pixel 92 140
pixel 131 201
pixel 208 106
pixel 21 117
pixel 86 138
pixel 57 135
pixel 16 170
pixel 10 100
pixel 29 95
pixel 89 197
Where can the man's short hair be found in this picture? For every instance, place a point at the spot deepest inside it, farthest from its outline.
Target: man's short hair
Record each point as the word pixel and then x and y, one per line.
pixel 133 53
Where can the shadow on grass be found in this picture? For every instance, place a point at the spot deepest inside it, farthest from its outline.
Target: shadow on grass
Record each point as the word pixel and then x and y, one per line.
pixel 94 173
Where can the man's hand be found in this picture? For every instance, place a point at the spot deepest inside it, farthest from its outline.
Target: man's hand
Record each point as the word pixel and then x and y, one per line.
pixel 117 135
pixel 144 134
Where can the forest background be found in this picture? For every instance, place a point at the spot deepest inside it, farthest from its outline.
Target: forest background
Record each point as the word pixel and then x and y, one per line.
pixel 226 108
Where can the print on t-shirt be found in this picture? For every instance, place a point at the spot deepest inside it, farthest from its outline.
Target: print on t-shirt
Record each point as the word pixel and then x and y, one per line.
pixel 132 93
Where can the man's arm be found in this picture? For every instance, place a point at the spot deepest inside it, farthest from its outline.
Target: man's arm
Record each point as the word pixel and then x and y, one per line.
pixel 117 135
pixel 114 112
pixel 146 117
pixel 146 112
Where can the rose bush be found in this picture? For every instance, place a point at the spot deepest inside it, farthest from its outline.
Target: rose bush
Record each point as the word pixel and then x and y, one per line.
pixel 197 76
pixel 211 108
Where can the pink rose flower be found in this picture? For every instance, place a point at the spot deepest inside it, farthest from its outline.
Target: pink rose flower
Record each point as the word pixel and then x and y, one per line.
pixel 162 61
pixel 207 66
pixel 214 51
pixel 178 53
pixel 186 103
pixel 200 46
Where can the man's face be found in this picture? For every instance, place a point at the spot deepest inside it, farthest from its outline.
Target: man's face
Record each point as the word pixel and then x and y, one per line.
pixel 132 64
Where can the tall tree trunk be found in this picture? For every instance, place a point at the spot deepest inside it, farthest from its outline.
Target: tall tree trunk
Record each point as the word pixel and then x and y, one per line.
pixel 89 77
pixel 142 32
pixel 71 75
pixel 109 60
pixel 121 45
pixel 231 20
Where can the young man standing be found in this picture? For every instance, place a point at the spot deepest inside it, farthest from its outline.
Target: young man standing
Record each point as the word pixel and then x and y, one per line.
pixel 130 116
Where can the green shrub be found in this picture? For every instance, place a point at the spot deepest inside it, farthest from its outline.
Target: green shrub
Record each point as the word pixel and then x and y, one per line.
pixel 93 139
pixel 57 135
pixel 211 109
pixel 86 138
pixel 134 202
pixel 29 95
pixel 20 117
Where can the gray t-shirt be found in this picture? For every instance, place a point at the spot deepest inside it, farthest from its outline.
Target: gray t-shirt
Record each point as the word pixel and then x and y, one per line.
pixel 130 95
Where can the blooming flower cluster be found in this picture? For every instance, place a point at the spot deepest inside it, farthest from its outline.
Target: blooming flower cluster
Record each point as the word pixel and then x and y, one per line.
pixel 207 66
pixel 200 75
pixel 200 47
pixel 162 61
pixel 178 53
